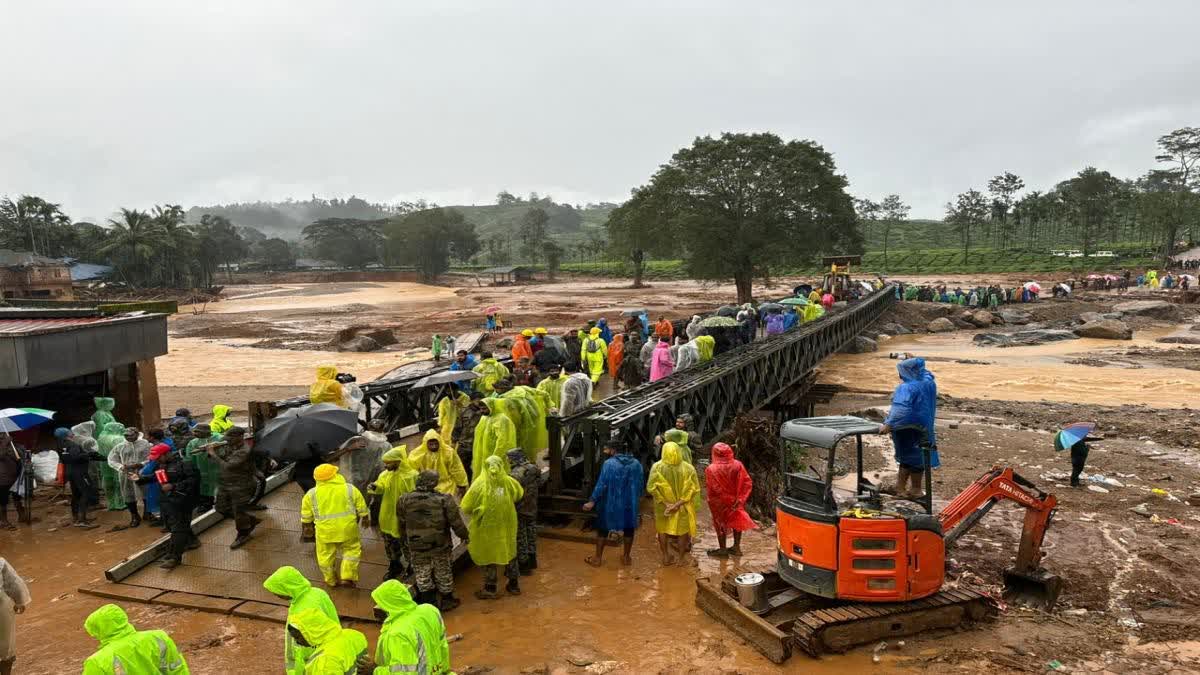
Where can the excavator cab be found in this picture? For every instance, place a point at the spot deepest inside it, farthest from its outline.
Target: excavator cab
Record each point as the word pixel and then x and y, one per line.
pixel 845 539
pixel 842 538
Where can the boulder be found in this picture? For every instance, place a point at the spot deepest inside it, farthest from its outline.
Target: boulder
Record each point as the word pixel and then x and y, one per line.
pixel 1180 339
pixel 1023 338
pixel 897 329
pixel 383 337
pixel 1015 316
pixel 1088 317
pixel 1105 329
pixel 504 343
pixel 942 325
pixel 981 318
pixel 860 345
pixel 360 343
pixel 1151 309
pixel 1196 326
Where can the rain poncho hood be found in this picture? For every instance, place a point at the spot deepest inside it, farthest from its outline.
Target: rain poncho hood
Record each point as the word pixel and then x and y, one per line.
pixel 728 486
pixel 576 394
pixel 490 372
pixel 448 410
pixel 616 351
pixel 605 332
pixel 390 485
pixel 327 389
pixel 694 329
pixel 413 637
pixel 446 462
pixel 393 597
pixel 104 411
pixel 617 493
pixel 220 422
pixel 689 355
pixel 706 345
pixel 491 504
pixel 84 432
pixel 112 434
pixel 316 628
pixel 914 404
pixel 108 623
pixel 288 581
pixel 673 480
pixel 531 407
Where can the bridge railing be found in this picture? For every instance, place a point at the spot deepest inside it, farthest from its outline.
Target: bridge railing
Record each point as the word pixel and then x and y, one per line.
pixel 742 379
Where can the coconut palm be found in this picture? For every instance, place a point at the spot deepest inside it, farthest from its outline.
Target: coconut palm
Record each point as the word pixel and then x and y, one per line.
pixel 134 240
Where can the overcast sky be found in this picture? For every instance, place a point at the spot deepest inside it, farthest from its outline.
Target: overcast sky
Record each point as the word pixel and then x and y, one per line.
pixel 121 103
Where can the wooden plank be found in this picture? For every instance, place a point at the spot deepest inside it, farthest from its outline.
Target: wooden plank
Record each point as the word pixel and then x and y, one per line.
pixel 262 611
pixel 204 603
pixel 106 589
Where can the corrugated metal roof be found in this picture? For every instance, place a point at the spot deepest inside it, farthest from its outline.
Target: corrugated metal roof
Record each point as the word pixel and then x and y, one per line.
pixel 53 325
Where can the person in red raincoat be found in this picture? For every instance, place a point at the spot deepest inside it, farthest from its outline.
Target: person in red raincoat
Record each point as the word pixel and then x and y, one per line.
pixel 616 353
pixel 728 484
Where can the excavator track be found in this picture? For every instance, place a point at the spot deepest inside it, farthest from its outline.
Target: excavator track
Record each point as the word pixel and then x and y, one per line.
pixel 797 621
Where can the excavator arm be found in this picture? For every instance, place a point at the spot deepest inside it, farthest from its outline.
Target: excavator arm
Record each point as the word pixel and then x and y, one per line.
pixel 1026 581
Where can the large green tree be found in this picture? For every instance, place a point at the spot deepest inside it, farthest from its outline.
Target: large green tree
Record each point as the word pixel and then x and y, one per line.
pixel 742 203
pixel 348 241
pixel 533 233
pixel 30 223
pixel 1180 150
pixel 135 238
pixel 892 212
pixel 967 213
pixel 1091 196
pixel 429 239
pixel 217 243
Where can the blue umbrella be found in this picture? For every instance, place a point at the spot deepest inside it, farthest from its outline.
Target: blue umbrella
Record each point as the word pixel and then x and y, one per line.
pixel 1072 434
pixel 18 419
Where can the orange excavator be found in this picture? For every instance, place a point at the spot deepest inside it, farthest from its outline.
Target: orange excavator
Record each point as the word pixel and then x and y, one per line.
pixel 856 565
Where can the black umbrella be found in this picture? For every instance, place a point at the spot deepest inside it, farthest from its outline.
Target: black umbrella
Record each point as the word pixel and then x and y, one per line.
pixel 445 377
pixel 634 312
pixel 324 425
pixel 727 310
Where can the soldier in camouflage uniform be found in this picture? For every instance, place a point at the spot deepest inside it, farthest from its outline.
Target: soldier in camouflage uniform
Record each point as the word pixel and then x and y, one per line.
pixel 425 518
pixel 236 465
pixel 530 478
pixel 463 435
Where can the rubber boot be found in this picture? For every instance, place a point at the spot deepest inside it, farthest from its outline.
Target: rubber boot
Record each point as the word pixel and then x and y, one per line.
pixel 240 540
pixel 526 566
pixel 427 598
pixel 447 602
pixel 532 562
pixel 22 513
pixel 513 587
pixel 488 592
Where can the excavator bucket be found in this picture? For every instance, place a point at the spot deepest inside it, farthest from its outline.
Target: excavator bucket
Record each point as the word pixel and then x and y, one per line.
pixel 1038 590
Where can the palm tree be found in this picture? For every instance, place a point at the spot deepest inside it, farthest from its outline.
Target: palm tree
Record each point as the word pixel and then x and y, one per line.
pixel 178 243
pixel 135 238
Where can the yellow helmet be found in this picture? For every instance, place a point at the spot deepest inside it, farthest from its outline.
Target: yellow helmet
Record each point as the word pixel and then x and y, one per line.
pixel 527 333
pixel 540 331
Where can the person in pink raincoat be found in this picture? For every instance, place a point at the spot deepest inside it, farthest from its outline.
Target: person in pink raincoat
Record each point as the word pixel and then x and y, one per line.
pixel 661 364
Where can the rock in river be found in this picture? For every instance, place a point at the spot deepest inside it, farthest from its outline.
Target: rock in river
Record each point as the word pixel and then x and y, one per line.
pixel 1015 316
pixel 860 345
pixel 981 318
pixel 1105 329
pixel 1153 309
pixel 1023 338
pixel 1180 339
pixel 942 325
pixel 361 343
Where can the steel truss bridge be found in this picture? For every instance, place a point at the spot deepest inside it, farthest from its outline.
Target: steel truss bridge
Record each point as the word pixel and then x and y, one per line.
pixel 774 374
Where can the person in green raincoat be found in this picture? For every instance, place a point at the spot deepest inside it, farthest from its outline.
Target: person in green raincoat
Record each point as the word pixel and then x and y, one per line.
pixel 412 638
pixel 397 478
pixel 812 312
pixel 494 435
pixel 110 436
pixel 490 503
pixel 336 650
pixel 104 412
pixel 490 372
pixel 706 345
pixel 449 407
pixel 125 650
pixel 207 468
pixel 289 584
pixel 674 485
pixel 532 435
pixel 220 422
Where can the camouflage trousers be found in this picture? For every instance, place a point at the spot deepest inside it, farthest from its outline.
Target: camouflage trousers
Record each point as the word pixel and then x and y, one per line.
pixel 397 555
pixel 526 546
pixel 432 570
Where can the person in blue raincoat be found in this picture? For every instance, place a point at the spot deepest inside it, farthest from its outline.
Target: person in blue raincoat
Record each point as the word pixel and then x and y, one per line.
pixel 910 421
pixel 606 333
pixel 644 319
pixel 615 500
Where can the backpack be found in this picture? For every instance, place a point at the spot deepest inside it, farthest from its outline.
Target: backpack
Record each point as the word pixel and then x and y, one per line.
pixel 593 346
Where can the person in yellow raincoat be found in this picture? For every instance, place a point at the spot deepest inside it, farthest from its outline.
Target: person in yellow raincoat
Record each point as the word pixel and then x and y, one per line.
pixel 287 583
pixel 334 507
pixel 398 478
pixel 532 435
pixel 327 389
pixel 125 650
pixel 220 423
pixel 674 485
pixel 812 312
pixel 1152 278
pixel 430 455
pixel 491 506
pixel 335 650
pixel 494 435
pixel 412 638
pixel 552 385
pixel 448 409
pixel 490 372
pixel 706 345
pixel 815 296
pixel 593 353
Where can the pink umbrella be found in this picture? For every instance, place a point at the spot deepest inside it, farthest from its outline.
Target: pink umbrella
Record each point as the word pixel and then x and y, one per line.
pixel 492 310
pixel 1110 277
pixel 1033 287
pixel 1093 276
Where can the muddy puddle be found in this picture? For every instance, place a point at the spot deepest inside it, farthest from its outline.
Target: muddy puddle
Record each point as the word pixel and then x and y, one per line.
pixel 1035 373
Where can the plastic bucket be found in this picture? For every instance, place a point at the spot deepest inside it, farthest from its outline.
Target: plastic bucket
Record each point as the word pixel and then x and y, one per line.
pixel 752 591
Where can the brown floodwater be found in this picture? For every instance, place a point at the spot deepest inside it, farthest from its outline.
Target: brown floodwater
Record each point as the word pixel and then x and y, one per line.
pixel 1036 373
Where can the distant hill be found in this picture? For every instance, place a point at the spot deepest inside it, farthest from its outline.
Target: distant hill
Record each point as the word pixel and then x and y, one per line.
pixel 568 224
pixel 913 235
